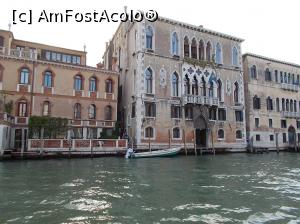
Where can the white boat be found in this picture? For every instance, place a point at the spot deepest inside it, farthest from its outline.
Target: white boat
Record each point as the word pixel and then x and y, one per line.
pixel 156 153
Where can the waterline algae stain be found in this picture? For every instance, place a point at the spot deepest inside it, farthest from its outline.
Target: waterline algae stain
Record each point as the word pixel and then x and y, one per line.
pixel 235 188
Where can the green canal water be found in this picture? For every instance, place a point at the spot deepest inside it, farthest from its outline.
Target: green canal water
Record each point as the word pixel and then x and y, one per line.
pixel 232 188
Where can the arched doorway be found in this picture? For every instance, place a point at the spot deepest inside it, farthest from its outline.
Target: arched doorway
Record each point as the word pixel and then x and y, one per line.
pixel 292 135
pixel 200 125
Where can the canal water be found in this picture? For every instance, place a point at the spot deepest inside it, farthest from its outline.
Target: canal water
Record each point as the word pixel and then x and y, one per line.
pixel 231 188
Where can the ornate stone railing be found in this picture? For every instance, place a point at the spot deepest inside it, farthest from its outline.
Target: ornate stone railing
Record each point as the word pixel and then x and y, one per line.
pixel 290 114
pixel 32 55
pixel 291 87
pixel 195 99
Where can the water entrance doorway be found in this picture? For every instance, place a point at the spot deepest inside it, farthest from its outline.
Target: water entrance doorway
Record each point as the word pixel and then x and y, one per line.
pixel 200 137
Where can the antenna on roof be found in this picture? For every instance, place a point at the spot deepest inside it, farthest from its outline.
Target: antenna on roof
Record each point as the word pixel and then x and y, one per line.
pixel 84 48
pixel 9 26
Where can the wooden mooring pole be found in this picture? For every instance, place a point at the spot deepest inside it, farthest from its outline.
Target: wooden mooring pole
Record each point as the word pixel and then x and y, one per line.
pixel 194 140
pixel 184 142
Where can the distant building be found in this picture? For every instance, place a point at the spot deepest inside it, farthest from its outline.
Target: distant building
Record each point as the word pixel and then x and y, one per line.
pixel 179 83
pixel 273 101
pixel 43 80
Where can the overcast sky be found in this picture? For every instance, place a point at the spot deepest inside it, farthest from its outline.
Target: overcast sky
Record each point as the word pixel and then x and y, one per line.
pixel 269 27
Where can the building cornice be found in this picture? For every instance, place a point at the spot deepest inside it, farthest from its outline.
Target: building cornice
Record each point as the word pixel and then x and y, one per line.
pixel 270 59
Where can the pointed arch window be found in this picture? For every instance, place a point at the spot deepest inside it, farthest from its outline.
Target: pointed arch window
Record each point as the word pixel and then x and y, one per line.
pixel 92 111
pixel 256 103
pixel 108 112
pixel 149 38
pixel 78 84
pixel 48 78
pixel 175 44
pixel 186 47
pixel 219 89
pixel 149 80
pixel 194 48
pixel 46 108
pixel 283 104
pixel 277 105
pixel 195 86
pixel 186 85
pixel 93 84
pixel 203 87
pixel 253 72
pixel 218 54
pixel 235 56
pixel 236 92
pixel 24 76
pixel 268 75
pixel 211 89
pixel 77 111
pixel 109 86
pixel 208 52
pixel 201 50
pixel 175 91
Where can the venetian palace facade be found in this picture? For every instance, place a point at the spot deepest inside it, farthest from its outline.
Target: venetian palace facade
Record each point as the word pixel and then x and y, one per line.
pixel 273 101
pixel 179 84
pixel 42 80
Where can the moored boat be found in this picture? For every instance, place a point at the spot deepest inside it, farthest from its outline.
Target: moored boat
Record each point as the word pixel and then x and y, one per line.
pixel 156 153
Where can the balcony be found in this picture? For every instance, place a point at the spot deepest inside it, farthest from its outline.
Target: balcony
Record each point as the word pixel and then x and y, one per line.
pixel 204 100
pixel 290 87
pixel 289 114
pixel 31 55
pixel 7 118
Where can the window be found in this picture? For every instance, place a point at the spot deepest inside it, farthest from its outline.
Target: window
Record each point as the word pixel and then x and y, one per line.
pixel 92 111
pixel 91 133
pixel 221 134
pixel 268 75
pixel 208 52
pixel 188 112
pixel 257 137
pixel 93 84
pixel 256 122
pixel 236 92
pixel 148 77
pixel 149 37
pixel 78 83
pixel 48 79
pixel 222 114
pixel 284 137
pixel 218 54
pixel 150 109
pixel 269 103
pixel 46 108
pixel 1 73
pixel 235 60
pixel 271 138
pixel 239 116
pixel 283 124
pixel 298 124
pixel 24 76
pixel 176 132
pixel 213 113
pixel 174 44
pixel 238 134
pixel 203 87
pixel 175 111
pixel 194 86
pixel 211 89
pixel 277 105
pixel 256 103
pixel 22 109
pixel 77 111
pixel 175 91
pixel 270 123
pixel 133 112
pixel 149 132
pixel 186 85
pixel 108 86
pixel 253 72
pixel 219 89
pixel 186 47
pixel 283 104
pixel 108 113
pixel 194 49
pixel 1 41
pixel 201 50
pixel 276 76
